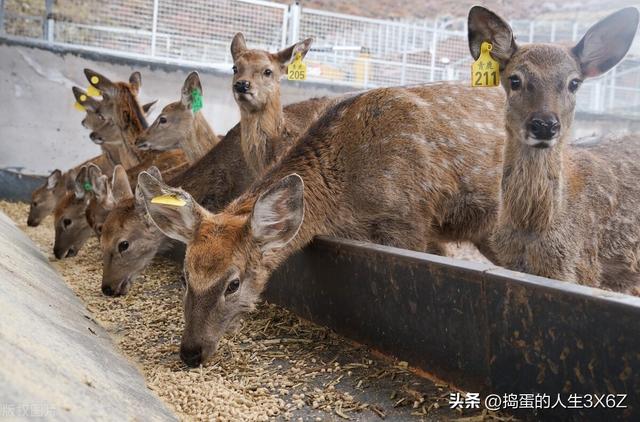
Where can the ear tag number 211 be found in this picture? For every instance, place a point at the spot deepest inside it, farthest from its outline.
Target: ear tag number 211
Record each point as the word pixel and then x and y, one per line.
pixel 485 71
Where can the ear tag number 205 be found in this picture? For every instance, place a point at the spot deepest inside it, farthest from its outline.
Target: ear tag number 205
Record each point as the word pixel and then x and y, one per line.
pixel 485 71
pixel 297 71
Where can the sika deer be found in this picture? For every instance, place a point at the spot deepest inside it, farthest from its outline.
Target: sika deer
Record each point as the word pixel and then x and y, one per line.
pixel 566 212
pixel 396 166
pixel 266 130
pixel 71 228
pixel 179 126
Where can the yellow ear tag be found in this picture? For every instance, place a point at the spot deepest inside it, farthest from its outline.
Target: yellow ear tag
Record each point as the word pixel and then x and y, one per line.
pixel 297 71
pixel 83 98
pixel 485 71
pixel 78 106
pixel 168 200
pixel 92 91
pixel 95 79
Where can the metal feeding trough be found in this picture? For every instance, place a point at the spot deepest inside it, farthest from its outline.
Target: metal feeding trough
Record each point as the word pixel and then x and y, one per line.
pixel 479 327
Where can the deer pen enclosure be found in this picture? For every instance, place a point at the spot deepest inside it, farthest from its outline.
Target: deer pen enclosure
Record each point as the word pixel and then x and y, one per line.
pixel 269 210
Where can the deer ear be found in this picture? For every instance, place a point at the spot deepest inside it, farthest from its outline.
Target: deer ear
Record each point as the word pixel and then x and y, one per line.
pixel 484 25
pixel 192 83
pixel 238 45
pixel 102 190
pixel 135 82
pixel 607 42
pixel 85 100
pixel 155 172
pixel 177 216
pixel 148 106
pixel 278 213
pixel 101 82
pixel 287 55
pixel 70 180
pixel 81 180
pixel 121 188
pixel 53 179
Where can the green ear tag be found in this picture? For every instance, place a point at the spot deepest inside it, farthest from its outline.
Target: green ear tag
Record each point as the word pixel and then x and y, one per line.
pixel 87 187
pixel 196 101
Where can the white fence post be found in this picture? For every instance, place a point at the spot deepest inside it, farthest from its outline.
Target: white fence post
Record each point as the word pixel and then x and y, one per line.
pixel 48 21
pixel 434 46
pixel 294 22
pixel 154 28
pixel 1 16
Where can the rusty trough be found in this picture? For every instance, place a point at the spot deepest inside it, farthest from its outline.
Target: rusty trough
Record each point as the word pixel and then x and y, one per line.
pixel 482 328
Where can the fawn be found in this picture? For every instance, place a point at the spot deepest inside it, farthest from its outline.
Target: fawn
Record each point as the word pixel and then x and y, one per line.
pixel 266 130
pixel 181 125
pixel 566 212
pixel 45 198
pixel 399 166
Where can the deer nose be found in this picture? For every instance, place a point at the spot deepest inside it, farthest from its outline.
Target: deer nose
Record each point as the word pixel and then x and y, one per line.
pixel 107 290
pixel 242 87
pixel 543 126
pixel 191 356
pixel 96 138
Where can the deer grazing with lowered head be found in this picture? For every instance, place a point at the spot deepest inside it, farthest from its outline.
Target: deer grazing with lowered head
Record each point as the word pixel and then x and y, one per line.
pixel 566 212
pixel 45 197
pixel 182 125
pixel 405 167
pixel 267 131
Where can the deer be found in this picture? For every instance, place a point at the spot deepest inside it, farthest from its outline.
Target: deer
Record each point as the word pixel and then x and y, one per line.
pixel 266 130
pixel 104 132
pixel 402 167
pixel 120 105
pixel 129 240
pixel 180 125
pixel 45 197
pixel 566 212
pixel 71 231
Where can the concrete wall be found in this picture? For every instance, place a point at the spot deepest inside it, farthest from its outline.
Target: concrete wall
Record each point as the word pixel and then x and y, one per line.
pixel 39 128
pixel 55 362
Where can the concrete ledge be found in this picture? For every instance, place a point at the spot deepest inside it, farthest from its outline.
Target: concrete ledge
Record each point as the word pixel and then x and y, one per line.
pixel 55 361
pixel 17 186
pixel 482 328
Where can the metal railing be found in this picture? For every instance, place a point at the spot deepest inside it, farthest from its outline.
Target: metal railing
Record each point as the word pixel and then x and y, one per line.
pixel 348 50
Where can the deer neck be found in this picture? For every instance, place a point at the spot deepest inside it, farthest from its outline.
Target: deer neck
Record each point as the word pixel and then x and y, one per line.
pixel 259 129
pixel 532 185
pixel 128 154
pixel 199 139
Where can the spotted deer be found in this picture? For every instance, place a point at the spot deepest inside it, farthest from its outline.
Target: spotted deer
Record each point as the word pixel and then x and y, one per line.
pixel 566 212
pixel 179 126
pixel 402 166
pixel 266 130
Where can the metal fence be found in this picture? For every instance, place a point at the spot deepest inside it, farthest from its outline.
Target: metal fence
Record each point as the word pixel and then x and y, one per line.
pixel 348 50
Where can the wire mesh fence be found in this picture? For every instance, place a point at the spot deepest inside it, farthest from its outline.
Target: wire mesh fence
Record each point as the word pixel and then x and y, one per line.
pixel 348 50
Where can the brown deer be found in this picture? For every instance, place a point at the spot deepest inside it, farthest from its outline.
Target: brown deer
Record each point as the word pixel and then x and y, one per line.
pixel 70 224
pixel 566 212
pixel 266 130
pixel 130 241
pixel 104 132
pixel 178 126
pixel 397 166
pixel 45 198
pixel 120 105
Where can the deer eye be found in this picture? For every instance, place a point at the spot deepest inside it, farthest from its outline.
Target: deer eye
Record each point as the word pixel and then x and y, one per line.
pixel 100 116
pixel 515 82
pixel 162 120
pixel 34 203
pixel 66 222
pixel 233 286
pixel 574 84
pixel 268 72
pixel 123 246
pixel 235 69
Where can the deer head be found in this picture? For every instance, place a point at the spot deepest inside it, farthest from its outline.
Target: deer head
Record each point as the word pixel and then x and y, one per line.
pixel 70 223
pixel 45 198
pixel 175 121
pixel 541 80
pixel 129 240
pixel 229 255
pixel 257 73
